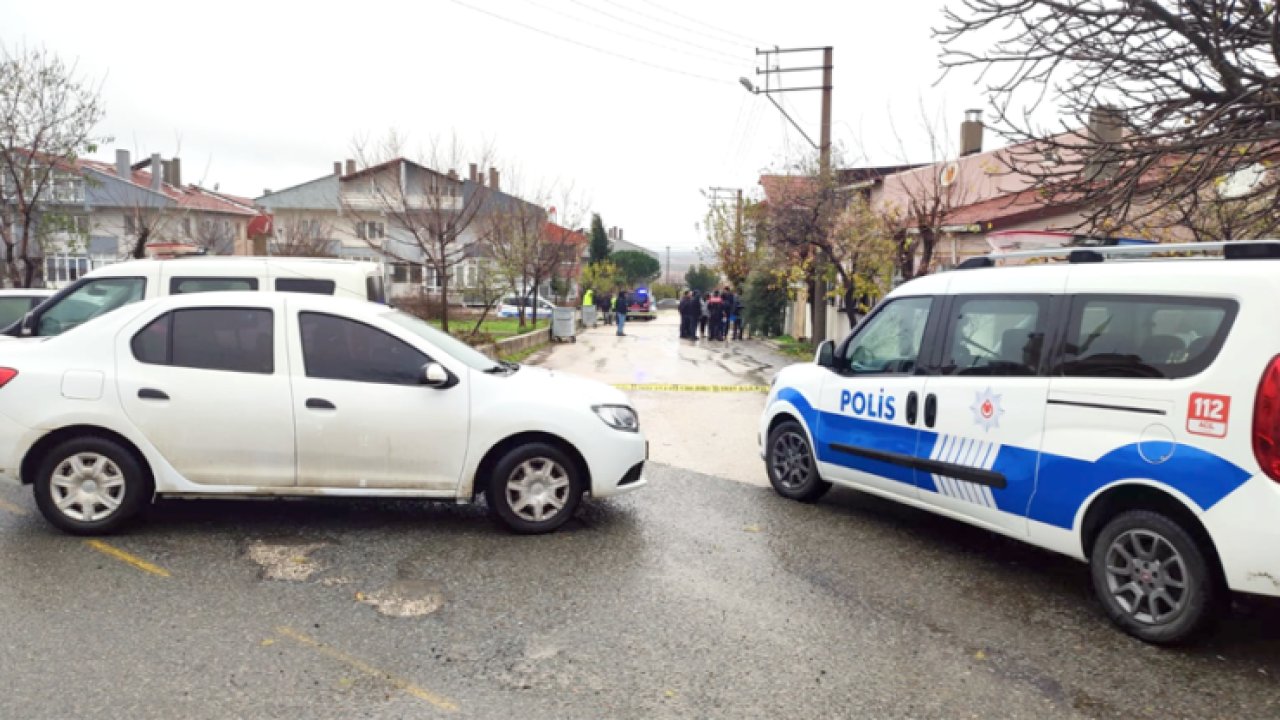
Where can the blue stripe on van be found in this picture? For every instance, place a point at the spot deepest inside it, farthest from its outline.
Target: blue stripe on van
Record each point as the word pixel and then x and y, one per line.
pixel 1064 482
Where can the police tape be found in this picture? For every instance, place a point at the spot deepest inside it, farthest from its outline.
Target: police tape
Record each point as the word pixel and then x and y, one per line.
pixel 671 387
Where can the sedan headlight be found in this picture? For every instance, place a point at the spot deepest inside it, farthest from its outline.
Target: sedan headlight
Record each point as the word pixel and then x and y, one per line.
pixel 618 417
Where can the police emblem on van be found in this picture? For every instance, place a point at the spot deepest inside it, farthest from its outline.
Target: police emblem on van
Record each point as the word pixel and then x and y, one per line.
pixel 986 409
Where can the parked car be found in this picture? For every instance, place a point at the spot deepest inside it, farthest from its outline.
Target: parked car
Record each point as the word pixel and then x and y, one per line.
pixel 113 286
pixel 510 307
pixel 294 395
pixel 1123 413
pixel 641 305
pixel 16 303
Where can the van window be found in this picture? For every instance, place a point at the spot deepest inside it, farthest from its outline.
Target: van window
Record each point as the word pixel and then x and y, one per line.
pixel 95 297
pixel 995 335
pixel 889 341
pixel 187 285
pixel 375 289
pixel 305 285
pixel 13 308
pixel 1144 336
pixel 227 339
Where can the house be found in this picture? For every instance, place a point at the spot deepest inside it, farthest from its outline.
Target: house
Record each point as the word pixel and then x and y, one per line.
pixel 104 210
pixel 371 214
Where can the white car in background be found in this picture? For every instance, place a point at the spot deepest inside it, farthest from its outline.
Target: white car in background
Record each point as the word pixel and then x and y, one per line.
pixel 14 304
pixel 510 307
pixel 253 394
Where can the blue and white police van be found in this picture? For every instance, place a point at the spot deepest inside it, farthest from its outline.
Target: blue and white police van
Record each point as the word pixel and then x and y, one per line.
pixel 1119 409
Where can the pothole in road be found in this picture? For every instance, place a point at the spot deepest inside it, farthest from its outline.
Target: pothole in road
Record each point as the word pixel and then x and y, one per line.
pixel 405 599
pixel 289 562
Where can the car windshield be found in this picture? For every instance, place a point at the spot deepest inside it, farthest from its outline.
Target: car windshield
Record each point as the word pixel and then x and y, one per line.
pixel 93 298
pixel 456 349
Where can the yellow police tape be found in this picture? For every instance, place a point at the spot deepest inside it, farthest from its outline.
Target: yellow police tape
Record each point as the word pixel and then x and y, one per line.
pixel 671 387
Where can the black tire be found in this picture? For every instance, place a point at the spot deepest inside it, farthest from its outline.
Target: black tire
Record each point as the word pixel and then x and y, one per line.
pixel 1141 594
pixel 105 459
pixel 557 502
pixel 789 459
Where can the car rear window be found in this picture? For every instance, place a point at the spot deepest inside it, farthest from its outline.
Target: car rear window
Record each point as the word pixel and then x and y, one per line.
pixel 1134 336
pixel 228 339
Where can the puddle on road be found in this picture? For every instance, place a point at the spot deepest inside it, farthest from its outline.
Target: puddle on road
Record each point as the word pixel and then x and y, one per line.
pixel 289 562
pixel 405 599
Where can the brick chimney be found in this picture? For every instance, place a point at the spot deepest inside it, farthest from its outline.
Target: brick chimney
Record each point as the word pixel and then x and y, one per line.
pixel 475 173
pixel 123 169
pixel 493 178
pixel 157 171
pixel 453 174
pixel 971 133
pixel 351 167
pixel 337 168
pixel 173 173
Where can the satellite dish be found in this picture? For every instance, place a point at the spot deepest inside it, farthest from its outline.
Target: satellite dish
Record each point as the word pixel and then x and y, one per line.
pixel 949 174
pixel 1242 181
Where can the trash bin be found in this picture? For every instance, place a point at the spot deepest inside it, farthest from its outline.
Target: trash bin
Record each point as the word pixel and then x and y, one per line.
pixel 564 321
pixel 589 316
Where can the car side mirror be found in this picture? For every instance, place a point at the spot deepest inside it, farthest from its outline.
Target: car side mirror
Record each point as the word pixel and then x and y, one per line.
pixel 826 354
pixel 434 375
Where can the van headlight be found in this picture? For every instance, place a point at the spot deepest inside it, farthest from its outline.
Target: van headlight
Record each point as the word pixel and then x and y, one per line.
pixel 618 417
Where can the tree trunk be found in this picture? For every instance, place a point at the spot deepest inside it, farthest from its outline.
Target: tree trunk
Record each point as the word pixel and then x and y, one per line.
pixel 140 247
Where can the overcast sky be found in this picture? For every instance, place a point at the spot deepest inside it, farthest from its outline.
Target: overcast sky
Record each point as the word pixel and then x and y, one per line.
pixel 268 94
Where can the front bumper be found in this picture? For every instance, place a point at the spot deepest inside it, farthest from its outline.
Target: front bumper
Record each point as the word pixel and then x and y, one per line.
pixel 617 465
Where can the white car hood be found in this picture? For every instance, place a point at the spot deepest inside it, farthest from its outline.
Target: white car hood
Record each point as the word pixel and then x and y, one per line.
pixel 563 386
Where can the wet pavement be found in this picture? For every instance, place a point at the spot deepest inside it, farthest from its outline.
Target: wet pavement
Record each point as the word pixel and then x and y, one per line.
pixel 708 423
pixel 702 595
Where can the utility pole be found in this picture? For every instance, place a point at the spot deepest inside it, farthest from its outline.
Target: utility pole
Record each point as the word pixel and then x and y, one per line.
pixel 818 286
pixel 668 274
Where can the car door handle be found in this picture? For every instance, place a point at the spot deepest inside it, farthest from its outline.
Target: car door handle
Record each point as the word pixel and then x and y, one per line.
pixel 152 394
pixel 930 409
pixel 913 407
pixel 320 404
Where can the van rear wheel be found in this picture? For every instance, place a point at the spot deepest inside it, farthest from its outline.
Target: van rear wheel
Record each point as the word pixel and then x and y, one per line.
pixel 1153 578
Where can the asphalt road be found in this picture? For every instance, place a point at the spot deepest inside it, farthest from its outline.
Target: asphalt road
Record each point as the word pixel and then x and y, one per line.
pixel 699 596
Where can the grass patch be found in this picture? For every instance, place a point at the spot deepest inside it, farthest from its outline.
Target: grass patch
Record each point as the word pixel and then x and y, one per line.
pixel 492 329
pixel 791 347
pixel 521 356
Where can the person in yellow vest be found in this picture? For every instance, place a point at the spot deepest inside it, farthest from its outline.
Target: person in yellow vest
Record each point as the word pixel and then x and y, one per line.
pixel 588 301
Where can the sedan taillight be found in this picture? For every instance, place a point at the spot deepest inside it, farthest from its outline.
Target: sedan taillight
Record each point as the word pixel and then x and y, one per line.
pixel 7 374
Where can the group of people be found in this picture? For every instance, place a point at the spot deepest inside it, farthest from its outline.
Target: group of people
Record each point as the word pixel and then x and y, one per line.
pixel 608 304
pixel 713 315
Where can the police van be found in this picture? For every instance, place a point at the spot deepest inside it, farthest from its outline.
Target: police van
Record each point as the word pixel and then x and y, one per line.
pixel 1119 409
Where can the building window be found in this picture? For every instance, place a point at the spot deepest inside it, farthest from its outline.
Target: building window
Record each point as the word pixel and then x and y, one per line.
pixel 370 230
pixel 186 226
pixel 130 225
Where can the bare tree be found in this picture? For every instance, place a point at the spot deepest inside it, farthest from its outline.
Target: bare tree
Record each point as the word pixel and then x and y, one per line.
pixel 1163 101
pixel 298 236
pixel 47 118
pixel 426 212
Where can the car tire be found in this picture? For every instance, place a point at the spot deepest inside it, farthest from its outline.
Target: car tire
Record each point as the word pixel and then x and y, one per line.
pixel 1154 579
pixel 91 486
pixel 793 470
pixel 534 489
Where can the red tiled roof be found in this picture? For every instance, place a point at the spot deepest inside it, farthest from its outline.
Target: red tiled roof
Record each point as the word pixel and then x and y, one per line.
pixel 191 197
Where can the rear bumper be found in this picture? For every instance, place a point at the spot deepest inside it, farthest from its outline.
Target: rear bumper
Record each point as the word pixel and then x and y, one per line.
pixel 14 441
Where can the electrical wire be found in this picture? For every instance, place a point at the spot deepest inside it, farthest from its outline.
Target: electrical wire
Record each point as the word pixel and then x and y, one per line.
pixel 641 26
pixel 729 33
pixel 602 26
pixel 588 46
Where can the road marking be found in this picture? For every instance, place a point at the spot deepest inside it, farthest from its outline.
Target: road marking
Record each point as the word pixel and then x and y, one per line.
pixel 126 558
pixel 10 507
pixel 672 387
pixel 398 682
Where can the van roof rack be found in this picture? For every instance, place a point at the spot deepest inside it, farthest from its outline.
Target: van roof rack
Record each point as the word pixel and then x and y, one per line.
pixel 1239 250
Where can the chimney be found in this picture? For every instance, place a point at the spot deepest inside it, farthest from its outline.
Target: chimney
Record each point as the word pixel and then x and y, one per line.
pixel 475 173
pixel 493 178
pixel 157 171
pixel 174 172
pixel 337 168
pixel 122 164
pixel 971 133
pixel 1106 125
pixel 266 191
pixel 168 170
pixel 453 174
pixel 351 167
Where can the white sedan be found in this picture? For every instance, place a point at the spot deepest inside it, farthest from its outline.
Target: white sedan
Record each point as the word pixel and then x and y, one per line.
pixel 280 394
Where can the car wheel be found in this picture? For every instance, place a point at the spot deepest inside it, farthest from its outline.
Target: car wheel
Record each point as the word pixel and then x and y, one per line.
pixel 91 486
pixel 1153 578
pixel 535 488
pixel 793 472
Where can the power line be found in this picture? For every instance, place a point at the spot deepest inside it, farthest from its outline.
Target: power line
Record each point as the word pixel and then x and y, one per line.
pixel 606 28
pixel 588 46
pixel 639 26
pixel 729 33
